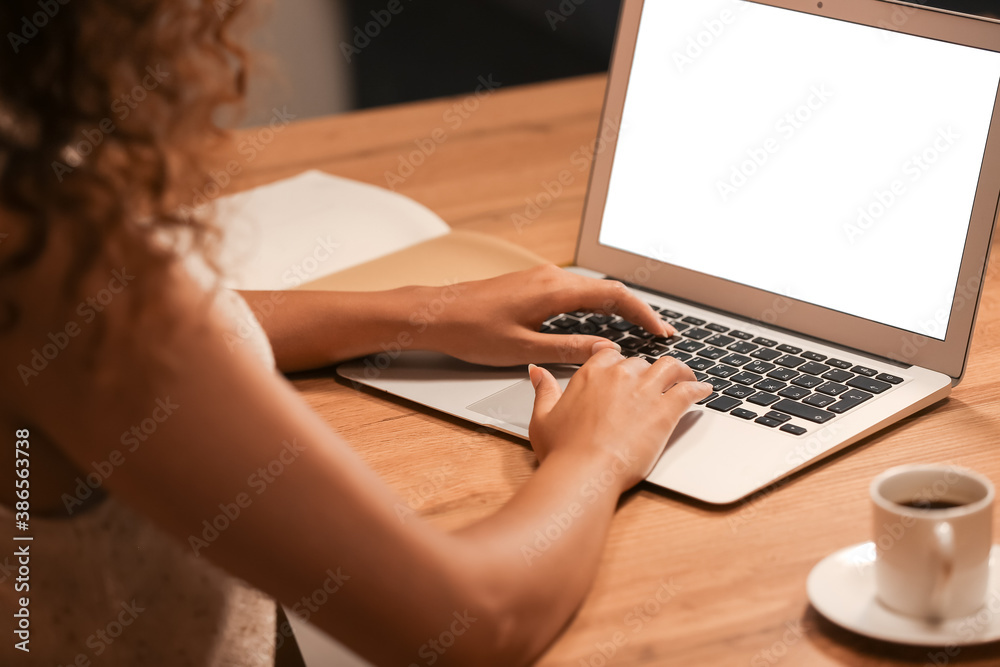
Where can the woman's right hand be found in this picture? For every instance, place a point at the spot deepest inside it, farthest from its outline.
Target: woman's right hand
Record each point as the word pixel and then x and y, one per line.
pixel 616 409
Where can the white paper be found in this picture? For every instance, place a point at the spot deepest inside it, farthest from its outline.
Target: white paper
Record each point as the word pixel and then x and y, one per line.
pixel 282 235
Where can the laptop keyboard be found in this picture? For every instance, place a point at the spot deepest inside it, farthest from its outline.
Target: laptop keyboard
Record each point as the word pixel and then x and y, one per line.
pixel 755 378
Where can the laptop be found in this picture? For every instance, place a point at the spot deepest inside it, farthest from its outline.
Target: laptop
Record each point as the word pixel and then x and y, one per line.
pixel 807 190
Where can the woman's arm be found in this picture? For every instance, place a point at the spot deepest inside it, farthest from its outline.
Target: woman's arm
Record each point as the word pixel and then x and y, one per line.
pixel 492 322
pixel 241 472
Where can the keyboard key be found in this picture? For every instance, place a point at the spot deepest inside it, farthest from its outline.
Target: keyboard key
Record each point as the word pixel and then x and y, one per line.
pixel 783 374
pixel 759 367
pixel 565 323
pixel 621 325
pixel 735 360
pixel 712 353
pixel 599 319
pixel 680 326
pixel 869 384
pixel 742 347
pixel 641 333
pixel 697 334
pixel 837 363
pixel 548 328
pixel 665 340
pixel 611 334
pixel 743 414
pixel 814 368
pixel 765 354
pixel 689 346
pixel 716 327
pixel 630 343
pixel 794 393
pixel 670 314
pixel 677 354
pixel 790 361
pixel 739 391
pixel 720 341
pixel 863 370
pixel 654 349
pixel 725 404
pixel 803 411
pixel 831 389
pixel 718 384
pixel 708 399
pixel 762 398
pixel 698 364
pixel 777 416
pixel 747 378
pixel 789 349
pixel 721 371
pixel 891 379
pixel 770 423
pixel 813 356
pixel 772 386
pixel 793 429
pixel 693 320
pixel 807 381
pixel 587 328
pixel 837 375
pixel 766 342
pixel 579 314
pixel 851 399
pixel 700 377
pixel 819 400
pixel 742 335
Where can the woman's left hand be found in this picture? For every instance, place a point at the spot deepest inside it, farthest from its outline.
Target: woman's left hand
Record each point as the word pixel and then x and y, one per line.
pixel 496 322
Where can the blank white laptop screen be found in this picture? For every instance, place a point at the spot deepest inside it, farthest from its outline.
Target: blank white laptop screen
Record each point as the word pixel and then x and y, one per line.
pixel 822 160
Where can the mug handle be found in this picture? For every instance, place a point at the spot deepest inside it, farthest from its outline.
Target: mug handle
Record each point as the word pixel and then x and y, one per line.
pixel 944 541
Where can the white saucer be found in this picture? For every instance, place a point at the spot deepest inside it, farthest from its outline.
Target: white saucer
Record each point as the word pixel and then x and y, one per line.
pixel 842 588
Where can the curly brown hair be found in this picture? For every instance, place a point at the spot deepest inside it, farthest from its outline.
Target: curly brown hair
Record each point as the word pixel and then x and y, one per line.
pixel 108 109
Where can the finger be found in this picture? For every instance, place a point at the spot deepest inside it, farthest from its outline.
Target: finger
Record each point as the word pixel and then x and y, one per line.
pixel 668 371
pixel 567 349
pixel 682 396
pixel 614 298
pixel 547 390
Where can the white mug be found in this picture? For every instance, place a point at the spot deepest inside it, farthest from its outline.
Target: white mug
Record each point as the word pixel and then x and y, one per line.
pixel 933 536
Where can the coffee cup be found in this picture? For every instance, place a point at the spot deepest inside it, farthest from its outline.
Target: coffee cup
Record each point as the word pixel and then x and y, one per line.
pixel 933 536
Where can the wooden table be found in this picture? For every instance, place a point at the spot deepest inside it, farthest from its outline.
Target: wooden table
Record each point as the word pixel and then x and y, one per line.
pixel 680 583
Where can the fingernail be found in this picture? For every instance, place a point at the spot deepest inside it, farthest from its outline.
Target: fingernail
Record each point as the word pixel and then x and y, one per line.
pixel 533 375
pixel 605 345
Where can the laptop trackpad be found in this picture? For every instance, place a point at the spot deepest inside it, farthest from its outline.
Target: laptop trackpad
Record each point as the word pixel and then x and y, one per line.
pixel 514 404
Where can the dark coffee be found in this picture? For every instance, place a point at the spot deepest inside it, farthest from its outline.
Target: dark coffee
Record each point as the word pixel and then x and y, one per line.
pixel 925 504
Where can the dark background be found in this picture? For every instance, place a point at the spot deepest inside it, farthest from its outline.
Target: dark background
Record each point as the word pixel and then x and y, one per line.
pixel 440 47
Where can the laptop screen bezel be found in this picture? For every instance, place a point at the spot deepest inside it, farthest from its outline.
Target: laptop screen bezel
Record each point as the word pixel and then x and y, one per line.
pixel 776 311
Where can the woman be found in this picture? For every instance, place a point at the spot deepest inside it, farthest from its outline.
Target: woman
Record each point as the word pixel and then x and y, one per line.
pixel 119 374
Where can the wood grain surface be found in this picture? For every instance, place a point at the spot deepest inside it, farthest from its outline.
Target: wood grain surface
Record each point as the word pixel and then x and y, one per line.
pixel 680 583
